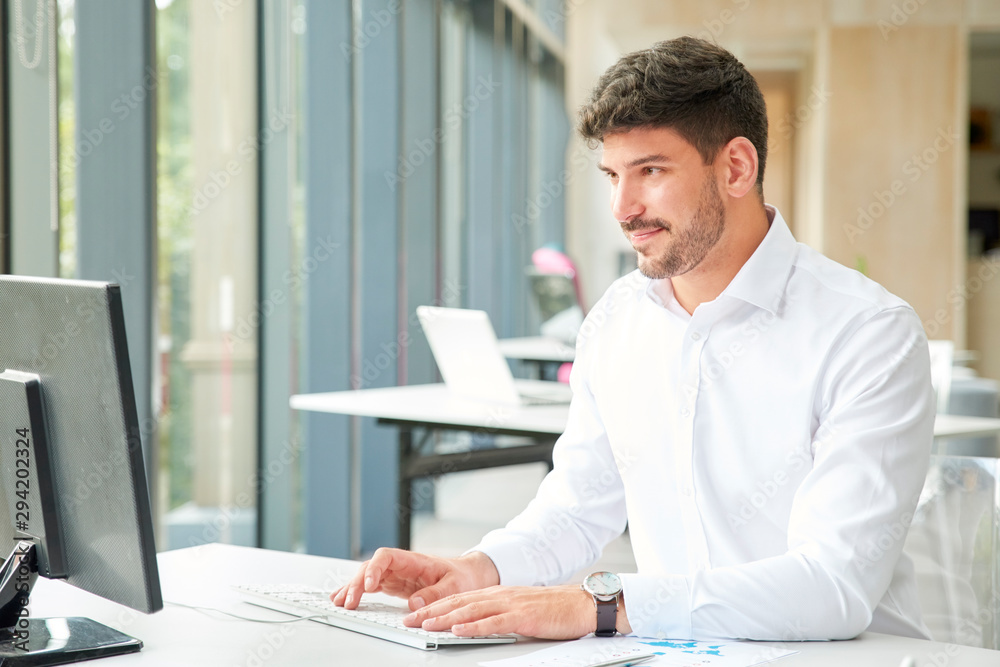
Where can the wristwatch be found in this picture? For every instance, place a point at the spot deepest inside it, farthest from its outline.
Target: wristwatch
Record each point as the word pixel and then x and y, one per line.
pixel 605 587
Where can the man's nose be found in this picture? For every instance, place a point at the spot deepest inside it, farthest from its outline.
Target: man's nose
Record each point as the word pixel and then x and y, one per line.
pixel 625 204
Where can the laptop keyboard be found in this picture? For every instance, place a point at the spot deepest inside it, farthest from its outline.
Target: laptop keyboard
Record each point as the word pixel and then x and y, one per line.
pixel 376 619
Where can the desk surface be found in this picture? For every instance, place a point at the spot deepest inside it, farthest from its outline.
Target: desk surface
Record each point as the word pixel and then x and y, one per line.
pixel 432 403
pixel 203 576
pixel 958 435
pixel 537 348
pixel 946 426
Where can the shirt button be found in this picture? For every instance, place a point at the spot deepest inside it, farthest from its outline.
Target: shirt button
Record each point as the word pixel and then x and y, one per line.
pixel 696 336
pixel 686 492
pixel 685 413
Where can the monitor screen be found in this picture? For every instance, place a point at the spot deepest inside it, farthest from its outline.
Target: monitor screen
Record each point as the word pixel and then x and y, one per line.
pixel 553 292
pixel 89 513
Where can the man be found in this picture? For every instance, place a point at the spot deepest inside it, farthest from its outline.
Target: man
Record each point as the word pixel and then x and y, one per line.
pixel 760 415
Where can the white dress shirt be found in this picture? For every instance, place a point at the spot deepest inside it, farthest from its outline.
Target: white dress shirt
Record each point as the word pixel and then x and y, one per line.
pixel 767 452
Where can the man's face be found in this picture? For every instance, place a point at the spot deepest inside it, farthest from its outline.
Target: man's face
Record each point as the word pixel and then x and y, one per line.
pixel 665 198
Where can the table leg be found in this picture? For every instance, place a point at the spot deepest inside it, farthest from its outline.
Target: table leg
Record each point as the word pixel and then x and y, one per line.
pixel 414 465
pixel 403 502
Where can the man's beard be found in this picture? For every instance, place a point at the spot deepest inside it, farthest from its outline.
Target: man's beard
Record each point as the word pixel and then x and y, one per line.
pixel 689 247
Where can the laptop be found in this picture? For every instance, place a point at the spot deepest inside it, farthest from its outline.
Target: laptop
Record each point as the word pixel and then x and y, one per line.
pixel 466 350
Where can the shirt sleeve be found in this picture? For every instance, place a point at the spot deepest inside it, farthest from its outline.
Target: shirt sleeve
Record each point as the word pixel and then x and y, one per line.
pixel 849 517
pixel 579 507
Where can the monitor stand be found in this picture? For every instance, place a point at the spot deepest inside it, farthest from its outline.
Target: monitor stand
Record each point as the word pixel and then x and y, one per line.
pixel 47 641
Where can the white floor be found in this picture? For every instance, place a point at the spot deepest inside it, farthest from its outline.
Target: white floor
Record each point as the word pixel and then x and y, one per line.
pixel 470 504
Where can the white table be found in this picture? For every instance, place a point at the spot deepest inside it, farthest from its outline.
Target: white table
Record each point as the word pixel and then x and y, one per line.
pixel 545 352
pixel 434 405
pixel 537 348
pixel 203 576
pixel 958 435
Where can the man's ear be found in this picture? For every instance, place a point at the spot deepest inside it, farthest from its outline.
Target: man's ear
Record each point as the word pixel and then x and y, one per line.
pixel 739 161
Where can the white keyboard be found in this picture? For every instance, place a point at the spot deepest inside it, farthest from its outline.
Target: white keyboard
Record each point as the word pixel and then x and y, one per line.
pixel 376 619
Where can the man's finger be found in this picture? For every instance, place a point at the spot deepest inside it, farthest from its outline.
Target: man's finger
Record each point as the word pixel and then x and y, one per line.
pixel 373 577
pixel 430 608
pixel 380 562
pixel 383 560
pixel 368 578
pixel 432 593
pixel 354 588
pixel 472 611
pixel 500 624
pixel 446 604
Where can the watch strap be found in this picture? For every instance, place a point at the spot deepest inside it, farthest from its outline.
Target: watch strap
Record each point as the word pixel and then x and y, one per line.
pixel 607 617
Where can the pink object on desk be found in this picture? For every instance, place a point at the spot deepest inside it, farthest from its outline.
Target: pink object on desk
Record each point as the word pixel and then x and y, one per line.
pixel 562 375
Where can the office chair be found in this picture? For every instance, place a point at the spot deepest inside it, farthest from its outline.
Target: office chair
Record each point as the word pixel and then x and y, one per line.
pixel 954 538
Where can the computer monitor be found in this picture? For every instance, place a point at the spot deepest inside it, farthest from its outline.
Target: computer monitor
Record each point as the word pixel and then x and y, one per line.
pixel 558 306
pixel 554 292
pixel 71 467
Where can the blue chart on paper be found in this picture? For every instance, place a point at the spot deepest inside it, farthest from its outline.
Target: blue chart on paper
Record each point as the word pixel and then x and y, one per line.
pixel 693 648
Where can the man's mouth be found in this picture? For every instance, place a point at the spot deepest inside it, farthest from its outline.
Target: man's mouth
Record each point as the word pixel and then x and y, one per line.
pixel 642 234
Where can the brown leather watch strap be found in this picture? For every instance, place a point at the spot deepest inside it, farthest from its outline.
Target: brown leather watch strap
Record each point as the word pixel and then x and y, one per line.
pixel 607 617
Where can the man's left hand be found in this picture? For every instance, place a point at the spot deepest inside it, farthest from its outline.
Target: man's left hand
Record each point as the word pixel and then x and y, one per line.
pixel 548 612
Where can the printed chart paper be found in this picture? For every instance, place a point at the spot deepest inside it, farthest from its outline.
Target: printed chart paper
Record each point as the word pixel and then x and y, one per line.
pixel 591 651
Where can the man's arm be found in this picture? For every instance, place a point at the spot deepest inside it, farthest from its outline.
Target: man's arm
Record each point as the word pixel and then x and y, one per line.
pixel 579 506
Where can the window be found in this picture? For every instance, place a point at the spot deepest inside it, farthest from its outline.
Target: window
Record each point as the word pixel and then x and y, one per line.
pixel 207 152
pixel 322 167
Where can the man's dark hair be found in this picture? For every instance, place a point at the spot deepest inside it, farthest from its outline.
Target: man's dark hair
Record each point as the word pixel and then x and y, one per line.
pixel 692 86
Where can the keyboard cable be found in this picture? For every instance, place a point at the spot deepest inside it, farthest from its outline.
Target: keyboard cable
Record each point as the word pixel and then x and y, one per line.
pixel 246 618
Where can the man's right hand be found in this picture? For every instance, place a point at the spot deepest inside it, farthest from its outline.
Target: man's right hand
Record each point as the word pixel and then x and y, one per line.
pixel 420 578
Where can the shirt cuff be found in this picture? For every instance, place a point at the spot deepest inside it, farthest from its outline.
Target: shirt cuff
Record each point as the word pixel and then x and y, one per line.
pixel 658 606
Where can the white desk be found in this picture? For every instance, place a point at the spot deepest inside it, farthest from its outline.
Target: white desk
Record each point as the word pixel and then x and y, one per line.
pixel 537 348
pixel 431 407
pixel 432 404
pixel 203 576
pixel 958 435
pixel 542 351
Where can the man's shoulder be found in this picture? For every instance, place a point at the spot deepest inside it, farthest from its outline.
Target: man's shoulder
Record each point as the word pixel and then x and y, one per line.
pixel 828 283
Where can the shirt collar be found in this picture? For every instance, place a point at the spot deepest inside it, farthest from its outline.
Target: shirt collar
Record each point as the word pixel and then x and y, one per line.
pixel 760 281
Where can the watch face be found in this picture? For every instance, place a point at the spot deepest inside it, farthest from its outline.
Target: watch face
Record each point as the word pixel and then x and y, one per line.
pixel 603 583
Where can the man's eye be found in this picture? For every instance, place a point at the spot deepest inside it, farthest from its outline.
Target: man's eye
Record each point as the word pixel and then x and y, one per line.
pixel 652 170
